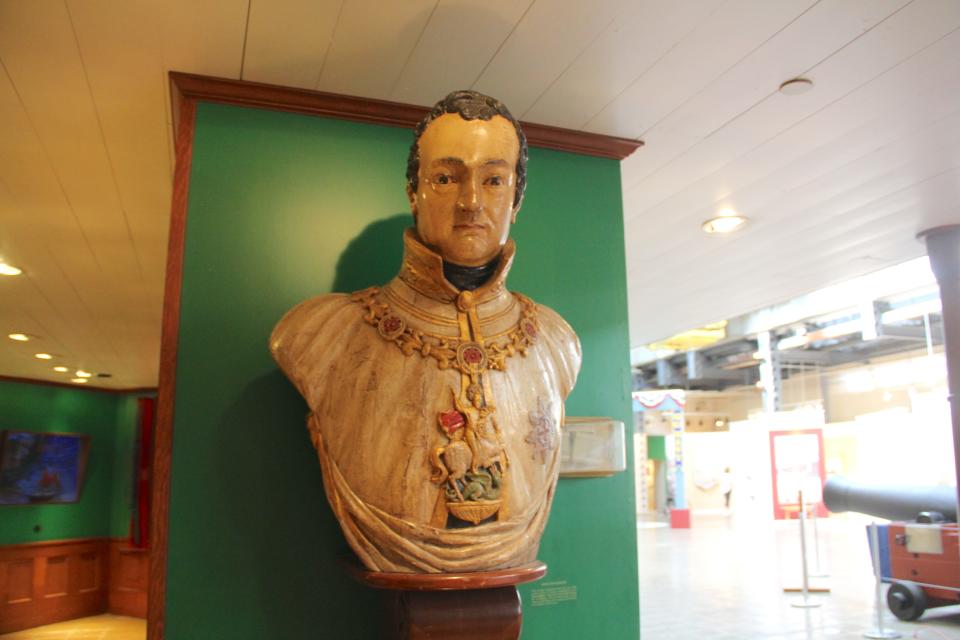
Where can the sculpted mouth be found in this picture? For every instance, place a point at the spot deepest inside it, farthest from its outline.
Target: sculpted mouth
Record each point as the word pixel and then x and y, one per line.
pixel 469 226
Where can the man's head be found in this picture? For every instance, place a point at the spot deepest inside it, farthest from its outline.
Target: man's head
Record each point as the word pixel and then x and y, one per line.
pixel 466 175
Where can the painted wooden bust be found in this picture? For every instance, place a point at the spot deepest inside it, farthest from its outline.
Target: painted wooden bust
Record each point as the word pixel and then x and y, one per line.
pixel 436 400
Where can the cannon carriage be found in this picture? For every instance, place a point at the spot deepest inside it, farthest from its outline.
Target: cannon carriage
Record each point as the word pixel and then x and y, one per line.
pixel 919 549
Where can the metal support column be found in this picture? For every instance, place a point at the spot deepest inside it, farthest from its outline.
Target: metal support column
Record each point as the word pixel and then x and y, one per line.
pixel 770 372
pixel 943 247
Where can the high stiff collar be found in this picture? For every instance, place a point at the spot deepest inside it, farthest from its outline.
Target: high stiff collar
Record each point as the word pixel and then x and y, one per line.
pixel 422 271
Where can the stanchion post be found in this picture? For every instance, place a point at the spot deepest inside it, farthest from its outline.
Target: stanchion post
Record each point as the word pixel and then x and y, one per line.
pixel 820 573
pixel 806 603
pixel 879 631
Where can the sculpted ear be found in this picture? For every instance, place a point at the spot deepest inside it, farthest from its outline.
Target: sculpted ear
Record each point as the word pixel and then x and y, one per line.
pixel 412 198
pixel 516 210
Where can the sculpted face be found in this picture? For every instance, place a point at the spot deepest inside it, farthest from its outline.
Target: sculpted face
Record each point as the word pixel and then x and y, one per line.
pixel 463 206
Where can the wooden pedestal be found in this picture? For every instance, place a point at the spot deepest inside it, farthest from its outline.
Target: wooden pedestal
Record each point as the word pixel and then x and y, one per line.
pixel 467 606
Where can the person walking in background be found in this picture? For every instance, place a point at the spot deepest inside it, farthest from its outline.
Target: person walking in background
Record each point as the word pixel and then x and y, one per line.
pixel 726 487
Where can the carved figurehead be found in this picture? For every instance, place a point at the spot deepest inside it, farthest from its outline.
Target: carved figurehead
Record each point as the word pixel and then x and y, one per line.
pixel 436 400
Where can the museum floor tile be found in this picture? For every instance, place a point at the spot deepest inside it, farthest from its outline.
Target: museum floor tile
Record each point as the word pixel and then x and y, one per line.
pixel 723 579
pixel 103 627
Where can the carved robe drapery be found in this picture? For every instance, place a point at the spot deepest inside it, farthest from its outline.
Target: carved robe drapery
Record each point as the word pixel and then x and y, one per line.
pixel 382 370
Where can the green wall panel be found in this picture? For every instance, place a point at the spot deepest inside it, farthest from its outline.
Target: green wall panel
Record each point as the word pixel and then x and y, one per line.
pixel 104 417
pixel 283 207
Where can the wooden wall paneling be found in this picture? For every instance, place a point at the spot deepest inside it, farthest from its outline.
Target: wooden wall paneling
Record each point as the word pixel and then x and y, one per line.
pixel 129 571
pixel 46 582
pixel 89 572
pixel 19 581
pixel 57 573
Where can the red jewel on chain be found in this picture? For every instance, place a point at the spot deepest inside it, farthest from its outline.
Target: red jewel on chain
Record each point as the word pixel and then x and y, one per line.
pixel 472 355
pixel 530 329
pixel 390 326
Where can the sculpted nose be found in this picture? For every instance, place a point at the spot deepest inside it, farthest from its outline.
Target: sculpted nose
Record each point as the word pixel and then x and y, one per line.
pixel 469 199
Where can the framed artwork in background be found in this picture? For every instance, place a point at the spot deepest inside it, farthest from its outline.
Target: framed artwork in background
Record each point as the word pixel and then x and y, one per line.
pixel 42 468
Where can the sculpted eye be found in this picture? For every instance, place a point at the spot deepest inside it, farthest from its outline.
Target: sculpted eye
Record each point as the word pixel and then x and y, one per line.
pixel 443 178
pixel 495 181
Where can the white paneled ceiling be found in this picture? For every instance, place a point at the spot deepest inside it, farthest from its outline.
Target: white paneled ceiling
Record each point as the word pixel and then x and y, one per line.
pixel 836 181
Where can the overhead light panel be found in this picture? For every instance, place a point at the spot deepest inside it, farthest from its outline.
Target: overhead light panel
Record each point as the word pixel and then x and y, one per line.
pixel 796 86
pixel 83 374
pixel 19 337
pixel 9 269
pixel 726 222
pixel 43 356
pixel 60 369
pixel 79 380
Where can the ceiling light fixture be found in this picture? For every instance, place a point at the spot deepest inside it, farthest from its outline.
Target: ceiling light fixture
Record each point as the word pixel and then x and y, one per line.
pixel 60 369
pixel 83 374
pixel 19 337
pixel 796 86
pixel 9 269
pixel 728 220
pixel 79 380
pixel 43 356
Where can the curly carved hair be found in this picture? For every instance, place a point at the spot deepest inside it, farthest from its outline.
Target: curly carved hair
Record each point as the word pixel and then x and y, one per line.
pixel 469 105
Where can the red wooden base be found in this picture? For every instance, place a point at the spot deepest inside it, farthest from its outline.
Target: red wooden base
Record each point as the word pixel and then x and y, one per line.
pixel 679 518
pixel 467 606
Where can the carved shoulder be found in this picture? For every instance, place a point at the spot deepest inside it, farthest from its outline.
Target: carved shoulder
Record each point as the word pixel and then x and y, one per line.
pixel 302 324
pixel 564 346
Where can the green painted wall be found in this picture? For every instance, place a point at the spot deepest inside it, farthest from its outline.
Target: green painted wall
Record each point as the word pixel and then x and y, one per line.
pixel 103 509
pixel 283 207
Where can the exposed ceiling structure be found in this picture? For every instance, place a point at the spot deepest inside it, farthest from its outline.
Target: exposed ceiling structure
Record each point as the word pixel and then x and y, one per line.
pixel 836 182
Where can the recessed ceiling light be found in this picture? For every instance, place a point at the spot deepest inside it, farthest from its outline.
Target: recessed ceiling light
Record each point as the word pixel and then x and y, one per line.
pixel 43 356
pixel 796 86
pixel 19 337
pixel 61 369
pixel 83 374
pixel 724 223
pixel 9 270
pixel 79 380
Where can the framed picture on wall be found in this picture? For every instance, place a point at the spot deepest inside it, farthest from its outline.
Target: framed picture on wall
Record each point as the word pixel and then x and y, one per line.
pixel 42 468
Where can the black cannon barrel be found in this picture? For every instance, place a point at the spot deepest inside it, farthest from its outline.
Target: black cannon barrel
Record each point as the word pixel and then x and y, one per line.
pixel 893 502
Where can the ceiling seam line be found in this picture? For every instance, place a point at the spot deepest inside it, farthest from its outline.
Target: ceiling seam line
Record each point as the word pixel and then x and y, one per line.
pixel 53 171
pixel 326 52
pixel 246 34
pixel 106 147
pixel 502 43
pixel 766 97
pixel 893 211
pixel 772 93
pixel 910 133
pixel 83 303
pixel 795 124
pixel 579 55
pixel 647 69
pixel 396 81
pixel 712 80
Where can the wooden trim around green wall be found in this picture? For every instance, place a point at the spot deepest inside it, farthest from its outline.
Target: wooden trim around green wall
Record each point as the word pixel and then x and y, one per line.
pixel 186 91
pixel 185 86
pixel 186 108
pixel 77 387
